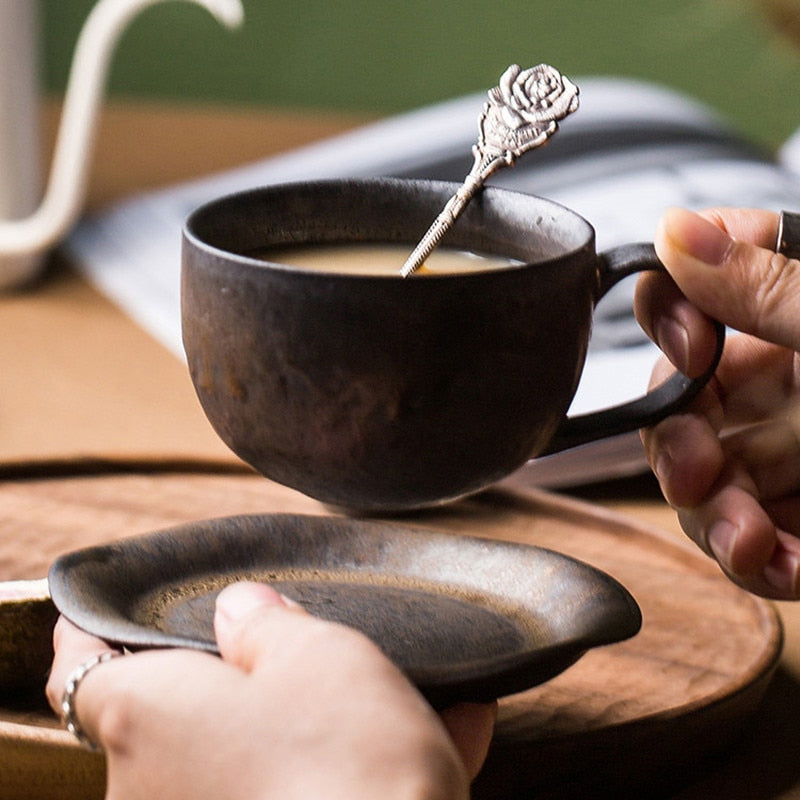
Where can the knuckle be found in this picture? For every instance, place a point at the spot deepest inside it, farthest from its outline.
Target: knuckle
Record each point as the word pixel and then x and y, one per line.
pixel 770 291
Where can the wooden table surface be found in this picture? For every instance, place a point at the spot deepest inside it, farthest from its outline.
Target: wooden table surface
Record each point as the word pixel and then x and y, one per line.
pixel 105 409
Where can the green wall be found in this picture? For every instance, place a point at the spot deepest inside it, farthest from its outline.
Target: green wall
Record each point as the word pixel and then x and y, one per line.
pixel 389 55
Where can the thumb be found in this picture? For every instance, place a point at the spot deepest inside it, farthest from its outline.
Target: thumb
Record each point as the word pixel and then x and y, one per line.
pixel 736 281
pixel 245 614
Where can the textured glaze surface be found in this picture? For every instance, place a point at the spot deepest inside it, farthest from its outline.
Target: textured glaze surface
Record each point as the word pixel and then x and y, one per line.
pixel 432 601
pixel 379 393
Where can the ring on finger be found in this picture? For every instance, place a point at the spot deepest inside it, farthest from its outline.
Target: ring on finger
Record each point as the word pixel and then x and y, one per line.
pixel 69 716
pixel 788 243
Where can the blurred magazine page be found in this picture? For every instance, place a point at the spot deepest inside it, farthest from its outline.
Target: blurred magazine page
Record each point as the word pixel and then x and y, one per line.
pixel 631 150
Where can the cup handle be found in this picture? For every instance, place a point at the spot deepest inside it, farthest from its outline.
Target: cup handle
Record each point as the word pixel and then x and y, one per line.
pixel 671 396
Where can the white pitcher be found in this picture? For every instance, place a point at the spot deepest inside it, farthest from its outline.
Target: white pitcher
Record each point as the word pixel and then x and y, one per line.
pixel 29 222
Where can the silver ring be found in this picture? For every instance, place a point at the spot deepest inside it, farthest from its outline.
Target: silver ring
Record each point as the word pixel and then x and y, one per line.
pixel 788 243
pixel 69 717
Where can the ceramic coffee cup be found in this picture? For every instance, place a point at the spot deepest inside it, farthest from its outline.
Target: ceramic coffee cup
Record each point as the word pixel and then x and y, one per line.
pixel 380 393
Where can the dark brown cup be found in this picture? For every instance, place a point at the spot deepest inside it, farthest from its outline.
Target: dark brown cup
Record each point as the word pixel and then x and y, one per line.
pixel 378 393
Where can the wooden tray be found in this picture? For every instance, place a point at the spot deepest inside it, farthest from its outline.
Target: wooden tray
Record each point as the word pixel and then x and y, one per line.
pixel 628 716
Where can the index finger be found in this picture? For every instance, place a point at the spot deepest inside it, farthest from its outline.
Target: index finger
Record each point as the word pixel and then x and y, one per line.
pixel 741 282
pixel 72 648
pixel 682 326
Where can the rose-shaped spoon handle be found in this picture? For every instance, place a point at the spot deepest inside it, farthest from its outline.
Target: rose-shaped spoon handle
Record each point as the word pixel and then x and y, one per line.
pixel 522 113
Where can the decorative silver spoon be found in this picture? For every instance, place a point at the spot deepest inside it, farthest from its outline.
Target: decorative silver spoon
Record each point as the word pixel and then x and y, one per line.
pixel 522 113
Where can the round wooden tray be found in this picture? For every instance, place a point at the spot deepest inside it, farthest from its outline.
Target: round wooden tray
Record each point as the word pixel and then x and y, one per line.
pixel 622 718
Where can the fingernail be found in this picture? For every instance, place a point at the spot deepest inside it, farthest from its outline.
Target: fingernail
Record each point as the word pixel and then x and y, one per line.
pixel 673 339
pixel 696 236
pixel 783 574
pixel 721 539
pixel 238 600
pixel 663 466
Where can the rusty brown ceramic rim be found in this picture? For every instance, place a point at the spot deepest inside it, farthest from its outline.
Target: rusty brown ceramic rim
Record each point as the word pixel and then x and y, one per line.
pixel 579 607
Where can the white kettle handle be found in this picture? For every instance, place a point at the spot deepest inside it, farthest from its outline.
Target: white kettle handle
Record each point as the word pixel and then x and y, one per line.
pixel 66 185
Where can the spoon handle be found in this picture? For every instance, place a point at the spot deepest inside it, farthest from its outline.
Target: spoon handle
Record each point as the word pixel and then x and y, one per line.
pixel 483 167
pixel 522 113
